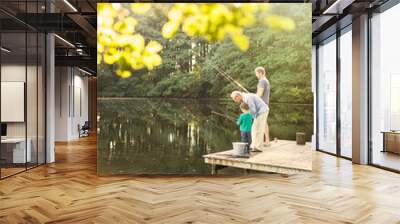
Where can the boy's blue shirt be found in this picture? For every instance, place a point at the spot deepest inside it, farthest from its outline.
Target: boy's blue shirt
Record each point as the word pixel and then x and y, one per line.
pixel 245 121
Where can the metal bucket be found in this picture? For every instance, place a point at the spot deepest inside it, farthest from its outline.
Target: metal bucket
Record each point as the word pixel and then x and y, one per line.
pixel 239 148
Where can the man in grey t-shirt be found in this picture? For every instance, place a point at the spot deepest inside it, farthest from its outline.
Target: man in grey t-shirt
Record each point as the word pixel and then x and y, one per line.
pixel 263 91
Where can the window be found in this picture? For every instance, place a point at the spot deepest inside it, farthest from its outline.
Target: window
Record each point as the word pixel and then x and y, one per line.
pixel 346 92
pixel 385 89
pixel 327 95
pixel 22 77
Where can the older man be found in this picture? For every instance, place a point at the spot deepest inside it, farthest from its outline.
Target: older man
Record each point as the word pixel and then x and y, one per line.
pixel 259 110
pixel 263 91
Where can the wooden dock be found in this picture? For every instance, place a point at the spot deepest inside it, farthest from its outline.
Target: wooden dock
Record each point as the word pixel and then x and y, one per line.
pixel 284 157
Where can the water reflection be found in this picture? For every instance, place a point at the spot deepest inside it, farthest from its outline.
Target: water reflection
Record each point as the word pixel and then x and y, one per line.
pixel 159 136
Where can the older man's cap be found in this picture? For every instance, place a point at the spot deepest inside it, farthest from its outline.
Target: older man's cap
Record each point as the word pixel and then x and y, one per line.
pixel 235 93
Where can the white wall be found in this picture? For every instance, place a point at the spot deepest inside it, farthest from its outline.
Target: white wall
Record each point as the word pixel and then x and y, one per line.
pixel 71 102
pixel 62 82
pixel 33 127
pixel 12 73
pixel 80 110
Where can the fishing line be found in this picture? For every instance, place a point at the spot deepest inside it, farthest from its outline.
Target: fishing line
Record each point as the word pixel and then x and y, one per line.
pixel 224 116
pixel 225 75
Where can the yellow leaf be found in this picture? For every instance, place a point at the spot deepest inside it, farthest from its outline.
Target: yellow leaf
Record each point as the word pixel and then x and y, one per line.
pixel 202 24
pixel 280 23
pixel 221 34
pixel 138 42
pixel 123 73
pixel 175 14
pixel 106 9
pixel 218 15
pixel 100 47
pixel 101 6
pixel 98 59
pixel 246 20
pixel 190 26
pixel 111 57
pixel 241 41
pixel 116 6
pixel 190 8
pixel 126 26
pixel 140 8
pixel 265 6
pixel 152 61
pixel 169 29
pixel 153 47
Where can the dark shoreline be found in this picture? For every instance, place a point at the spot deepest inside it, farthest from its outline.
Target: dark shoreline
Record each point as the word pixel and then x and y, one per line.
pixel 187 98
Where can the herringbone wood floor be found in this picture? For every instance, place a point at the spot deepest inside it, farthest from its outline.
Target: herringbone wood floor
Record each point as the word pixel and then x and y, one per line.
pixel 69 191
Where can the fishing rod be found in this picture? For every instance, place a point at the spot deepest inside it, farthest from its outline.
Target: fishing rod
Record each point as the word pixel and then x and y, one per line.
pixel 226 76
pixel 224 116
pixel 229 78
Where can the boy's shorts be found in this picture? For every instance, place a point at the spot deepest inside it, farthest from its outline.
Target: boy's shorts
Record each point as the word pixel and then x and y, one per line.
pixel 245 137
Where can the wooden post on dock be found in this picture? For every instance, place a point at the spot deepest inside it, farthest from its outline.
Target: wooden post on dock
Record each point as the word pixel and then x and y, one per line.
pixel 213 169
pixel 300 138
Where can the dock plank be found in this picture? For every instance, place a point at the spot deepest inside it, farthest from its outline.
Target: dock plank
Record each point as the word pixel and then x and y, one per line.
pixel 284 157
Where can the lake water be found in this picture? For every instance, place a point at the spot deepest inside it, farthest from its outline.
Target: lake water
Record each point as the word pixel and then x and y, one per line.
pixel 170 136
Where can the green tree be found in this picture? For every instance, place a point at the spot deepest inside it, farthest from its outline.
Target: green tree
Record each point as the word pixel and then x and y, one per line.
pixel 120 43
pixel 190 64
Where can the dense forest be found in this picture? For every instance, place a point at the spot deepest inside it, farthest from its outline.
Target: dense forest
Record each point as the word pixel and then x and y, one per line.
pixel 192 67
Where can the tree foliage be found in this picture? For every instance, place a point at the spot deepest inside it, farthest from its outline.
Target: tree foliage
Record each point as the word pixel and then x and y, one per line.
pixel 119 42
pixel 192 66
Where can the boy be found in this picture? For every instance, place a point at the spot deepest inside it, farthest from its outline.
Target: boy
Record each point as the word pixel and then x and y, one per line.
pixel 245 122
